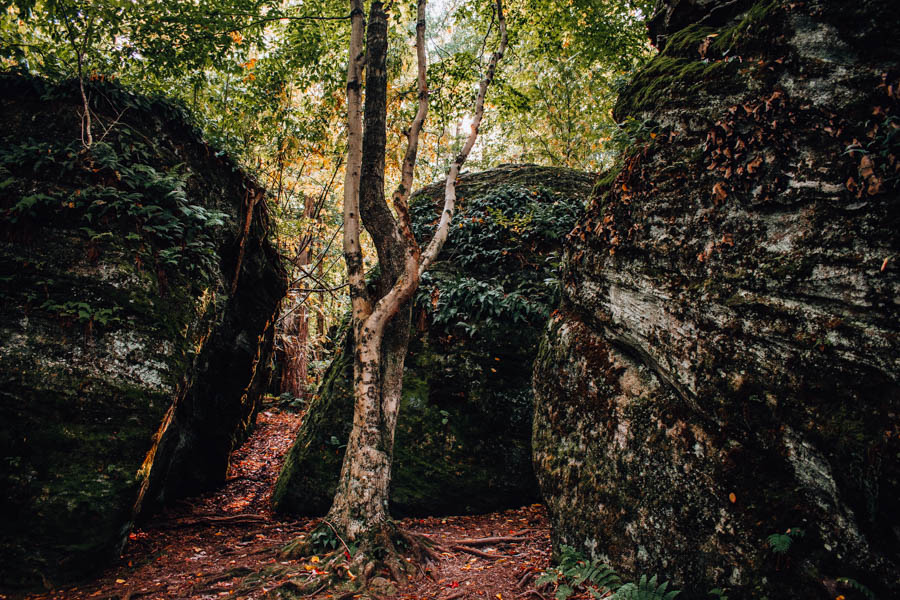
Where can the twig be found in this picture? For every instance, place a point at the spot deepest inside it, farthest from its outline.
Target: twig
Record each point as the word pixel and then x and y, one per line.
pixel 475 552
pixel 489 540
pixel 115 122
pixel 214 520
pixel 455 596
pixel 316 592
pixel 524 580
pixel 338 536
pixel 536 593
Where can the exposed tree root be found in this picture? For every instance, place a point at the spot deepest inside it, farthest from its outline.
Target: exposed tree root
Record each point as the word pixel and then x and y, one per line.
pixel 387 556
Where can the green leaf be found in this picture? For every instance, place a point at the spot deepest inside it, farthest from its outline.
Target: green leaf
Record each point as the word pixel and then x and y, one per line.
pixel 563 592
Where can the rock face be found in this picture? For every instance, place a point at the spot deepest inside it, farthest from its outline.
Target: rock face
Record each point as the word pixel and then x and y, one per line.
pixel 138 292
pixel 463 434
pixel 725 362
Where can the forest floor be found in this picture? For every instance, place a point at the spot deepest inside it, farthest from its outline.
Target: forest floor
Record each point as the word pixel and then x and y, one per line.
pixel 205 547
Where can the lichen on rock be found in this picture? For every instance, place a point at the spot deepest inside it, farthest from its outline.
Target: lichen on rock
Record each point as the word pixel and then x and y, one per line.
pixel 724 363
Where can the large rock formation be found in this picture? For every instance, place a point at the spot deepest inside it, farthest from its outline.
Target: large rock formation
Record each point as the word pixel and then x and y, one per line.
pixel 464 431
pixel 138 293
pixel 725 362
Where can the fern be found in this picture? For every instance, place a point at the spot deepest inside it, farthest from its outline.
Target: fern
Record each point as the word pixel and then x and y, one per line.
pixel 574 573
pixel 645 589
pixel 855 585
pixel 780 543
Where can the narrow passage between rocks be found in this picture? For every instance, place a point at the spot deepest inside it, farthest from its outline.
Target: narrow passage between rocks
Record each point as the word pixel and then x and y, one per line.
pixel 210 546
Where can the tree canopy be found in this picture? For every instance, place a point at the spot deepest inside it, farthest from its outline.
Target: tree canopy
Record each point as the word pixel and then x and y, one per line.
pixel 264 81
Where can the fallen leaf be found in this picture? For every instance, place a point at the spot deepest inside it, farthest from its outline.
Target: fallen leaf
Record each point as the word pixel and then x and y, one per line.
pixel 732 497
pixel 120 581
pixel 754 164
pixel 719 192
pixel 884 264
pixel 866 167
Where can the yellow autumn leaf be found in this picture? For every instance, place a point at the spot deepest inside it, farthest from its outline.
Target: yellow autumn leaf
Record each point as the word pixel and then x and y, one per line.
pixel 732 497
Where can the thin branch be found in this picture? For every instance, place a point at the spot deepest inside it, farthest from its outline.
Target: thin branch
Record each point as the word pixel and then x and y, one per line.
pixel 401 195
pixel 443 228
pixel 87 141
pixel 327 522
pixel 361 307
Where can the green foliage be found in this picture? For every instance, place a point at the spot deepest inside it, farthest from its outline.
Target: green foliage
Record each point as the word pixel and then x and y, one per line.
pixel 883 147
pixel 323 539
pixel 502 273
pixel 83 312
pixel 111 190
pixel 575 573
pixel 855 585
pixel 780 543
pixel 645 589
pixel 632 132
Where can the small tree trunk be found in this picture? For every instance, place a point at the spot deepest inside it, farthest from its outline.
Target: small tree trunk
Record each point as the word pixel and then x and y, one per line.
pixel 360 503
pixel 295 361
pixel 381 327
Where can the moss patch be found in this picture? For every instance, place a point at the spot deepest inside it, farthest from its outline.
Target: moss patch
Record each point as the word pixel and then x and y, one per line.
pixel 463 434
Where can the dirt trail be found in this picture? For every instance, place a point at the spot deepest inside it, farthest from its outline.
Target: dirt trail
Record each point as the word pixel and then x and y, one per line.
pixel 202 548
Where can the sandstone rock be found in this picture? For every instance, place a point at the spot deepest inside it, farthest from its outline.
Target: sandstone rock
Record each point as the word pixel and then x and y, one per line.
pixel 131 359
pixel 463 434
pixel 724 365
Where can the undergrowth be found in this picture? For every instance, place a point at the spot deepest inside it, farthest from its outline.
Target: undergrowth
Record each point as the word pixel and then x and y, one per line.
pixel 111 191
pixel 575 574
pixel 496 267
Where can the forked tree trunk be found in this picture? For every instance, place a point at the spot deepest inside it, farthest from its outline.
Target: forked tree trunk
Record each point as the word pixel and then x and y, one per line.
pixel 360 504
pixel 381 322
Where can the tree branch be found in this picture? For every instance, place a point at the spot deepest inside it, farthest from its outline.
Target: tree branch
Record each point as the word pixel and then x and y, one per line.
pixel 443 228
pixel 401 195
pixel 359 300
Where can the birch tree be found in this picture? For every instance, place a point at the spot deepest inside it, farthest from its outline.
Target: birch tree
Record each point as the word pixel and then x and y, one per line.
pixel 381 312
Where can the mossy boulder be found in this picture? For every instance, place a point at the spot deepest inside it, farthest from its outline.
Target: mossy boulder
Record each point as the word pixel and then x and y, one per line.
pixel 723 370
pixel 463 434
pixel 137 295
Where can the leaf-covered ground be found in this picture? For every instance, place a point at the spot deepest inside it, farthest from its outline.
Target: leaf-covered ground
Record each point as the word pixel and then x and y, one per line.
pixel 212 546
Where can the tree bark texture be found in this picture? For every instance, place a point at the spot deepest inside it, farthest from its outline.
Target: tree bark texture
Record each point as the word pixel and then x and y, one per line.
pixel 381 321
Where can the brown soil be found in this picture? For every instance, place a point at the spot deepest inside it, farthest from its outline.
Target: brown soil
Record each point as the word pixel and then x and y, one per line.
pixel 204 547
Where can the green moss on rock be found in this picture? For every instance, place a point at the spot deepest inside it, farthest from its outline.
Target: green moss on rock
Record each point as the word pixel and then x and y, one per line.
pixel 463 434
pixel 724 363
pixel 127 366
